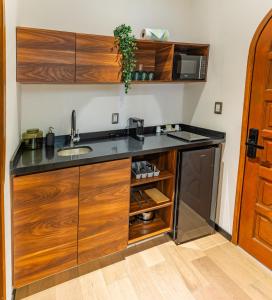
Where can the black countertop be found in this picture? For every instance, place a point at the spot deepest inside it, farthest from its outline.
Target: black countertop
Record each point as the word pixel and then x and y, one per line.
pixel 104 149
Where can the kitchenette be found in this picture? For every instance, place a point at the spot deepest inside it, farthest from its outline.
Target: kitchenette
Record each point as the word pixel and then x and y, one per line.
pixel 84 196
pixel 75 201
pixel 135 145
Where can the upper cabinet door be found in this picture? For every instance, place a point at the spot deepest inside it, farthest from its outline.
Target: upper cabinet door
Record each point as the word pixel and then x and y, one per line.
pixel 45 56
pixel 97 59
pixel 45 220
pixel 103 209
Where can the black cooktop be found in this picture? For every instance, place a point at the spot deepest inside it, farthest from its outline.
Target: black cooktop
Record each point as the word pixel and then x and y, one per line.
pixel 187 136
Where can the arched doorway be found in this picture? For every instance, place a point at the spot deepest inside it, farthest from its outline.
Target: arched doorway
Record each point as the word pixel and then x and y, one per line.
pixel 252 227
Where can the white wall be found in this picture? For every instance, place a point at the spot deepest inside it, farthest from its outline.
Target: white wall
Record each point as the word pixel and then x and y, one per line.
pixel 12 123
pixel 229 27
pixel 49 105
pixel 44 105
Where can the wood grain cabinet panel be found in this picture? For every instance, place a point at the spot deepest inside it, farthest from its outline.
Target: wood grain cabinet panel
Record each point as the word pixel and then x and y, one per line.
pixel 97 59
pixel 164 63
pixel 50 56
pixel 103 209
pixel 45 56
pixel 45 220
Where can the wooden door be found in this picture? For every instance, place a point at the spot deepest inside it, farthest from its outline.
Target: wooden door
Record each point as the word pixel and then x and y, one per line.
pixel 103 209
pixel 97 59
pixel 45 56
pixel 45 219
pixel 255 232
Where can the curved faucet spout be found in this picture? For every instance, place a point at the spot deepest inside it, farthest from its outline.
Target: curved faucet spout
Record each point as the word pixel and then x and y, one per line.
pixel 75 138
pixel 73 121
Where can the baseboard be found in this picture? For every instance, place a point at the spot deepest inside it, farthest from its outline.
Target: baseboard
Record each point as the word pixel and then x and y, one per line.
pixel 91 266
pixel 223 232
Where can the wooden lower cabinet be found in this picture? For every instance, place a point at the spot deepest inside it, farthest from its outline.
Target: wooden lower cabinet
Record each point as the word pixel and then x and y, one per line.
pixel 45 220
pixel 103 209
pixel 68 217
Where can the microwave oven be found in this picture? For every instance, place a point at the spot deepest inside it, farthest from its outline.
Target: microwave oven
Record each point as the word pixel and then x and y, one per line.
pixel 189 67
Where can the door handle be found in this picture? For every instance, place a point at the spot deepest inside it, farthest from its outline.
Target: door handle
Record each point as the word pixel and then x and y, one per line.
pixel 252 143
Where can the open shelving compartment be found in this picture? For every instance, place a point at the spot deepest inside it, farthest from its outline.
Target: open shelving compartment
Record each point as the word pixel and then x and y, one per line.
pixel 160 224
pixel 165 186
pixel 155 57
pixel 90 59
pixel 193 49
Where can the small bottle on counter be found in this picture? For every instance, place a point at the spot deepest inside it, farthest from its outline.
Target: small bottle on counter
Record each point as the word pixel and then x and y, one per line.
pixel 50 138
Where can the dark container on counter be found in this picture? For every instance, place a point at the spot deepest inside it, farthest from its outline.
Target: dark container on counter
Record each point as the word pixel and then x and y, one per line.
pixel 50 138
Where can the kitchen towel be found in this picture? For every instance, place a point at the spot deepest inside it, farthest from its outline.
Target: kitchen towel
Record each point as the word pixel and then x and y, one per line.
pixel 155 34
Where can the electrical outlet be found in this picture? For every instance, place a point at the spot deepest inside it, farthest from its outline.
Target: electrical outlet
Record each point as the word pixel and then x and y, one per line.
pixel 115 118
pixel 218 108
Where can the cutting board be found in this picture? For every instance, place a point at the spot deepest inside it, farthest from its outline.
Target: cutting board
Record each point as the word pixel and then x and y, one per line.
pixel 156 195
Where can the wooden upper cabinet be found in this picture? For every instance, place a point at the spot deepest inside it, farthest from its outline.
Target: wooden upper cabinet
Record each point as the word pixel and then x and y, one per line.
pixel 97 59
pixel 45 56
pixel 49 56
pixel 45 220
pixel 103 209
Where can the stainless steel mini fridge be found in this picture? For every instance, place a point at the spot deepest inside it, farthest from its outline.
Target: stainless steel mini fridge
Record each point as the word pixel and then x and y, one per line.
pixel 196 193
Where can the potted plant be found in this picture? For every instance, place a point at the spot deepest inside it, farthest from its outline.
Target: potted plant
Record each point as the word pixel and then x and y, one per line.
pixel 126 43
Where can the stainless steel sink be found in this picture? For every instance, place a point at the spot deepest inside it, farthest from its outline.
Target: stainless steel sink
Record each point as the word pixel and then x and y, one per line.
pixel 74 151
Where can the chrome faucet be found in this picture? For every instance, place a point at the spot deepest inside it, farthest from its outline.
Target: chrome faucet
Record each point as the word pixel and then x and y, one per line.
pixel 75 138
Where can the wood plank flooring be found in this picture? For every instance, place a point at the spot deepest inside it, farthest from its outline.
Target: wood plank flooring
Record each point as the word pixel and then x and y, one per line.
pixel 208 268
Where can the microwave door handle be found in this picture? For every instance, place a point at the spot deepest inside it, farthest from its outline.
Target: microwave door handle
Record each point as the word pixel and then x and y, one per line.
pixel 199 67
pixel 181 55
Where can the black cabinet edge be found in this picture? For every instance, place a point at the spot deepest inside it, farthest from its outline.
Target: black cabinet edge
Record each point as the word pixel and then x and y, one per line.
pixel 89 136
pixel 151 130
pixel 203 131
pixel 223 232
pixel 13 296
pixel 15 157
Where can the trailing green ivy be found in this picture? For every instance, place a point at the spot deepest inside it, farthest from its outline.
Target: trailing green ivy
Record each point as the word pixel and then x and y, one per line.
pixel 126 43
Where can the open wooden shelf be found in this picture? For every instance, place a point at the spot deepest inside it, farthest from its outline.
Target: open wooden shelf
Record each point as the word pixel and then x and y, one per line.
pixel 146 205
pixel 89 58
pixel 140 231
pixel 163 175
pixel 156 81
pixel 150 81
pixel 164 183
pixel 155 57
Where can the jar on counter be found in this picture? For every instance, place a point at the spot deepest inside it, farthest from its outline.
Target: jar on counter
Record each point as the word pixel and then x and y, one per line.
pixel 32 139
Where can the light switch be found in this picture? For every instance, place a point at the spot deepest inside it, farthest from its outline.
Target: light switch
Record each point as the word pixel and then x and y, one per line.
pixel 218 108
pixel 115 118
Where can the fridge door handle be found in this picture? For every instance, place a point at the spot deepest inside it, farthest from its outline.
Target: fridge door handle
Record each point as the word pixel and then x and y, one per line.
pixel 177 191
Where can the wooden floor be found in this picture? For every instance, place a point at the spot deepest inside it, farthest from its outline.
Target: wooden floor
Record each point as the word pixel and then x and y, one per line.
pixel 208 268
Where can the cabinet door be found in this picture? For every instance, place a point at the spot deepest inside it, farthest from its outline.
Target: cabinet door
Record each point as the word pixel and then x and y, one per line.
pixel 45 56
pixel 97 59
pixel 45 218
pixel 103 209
